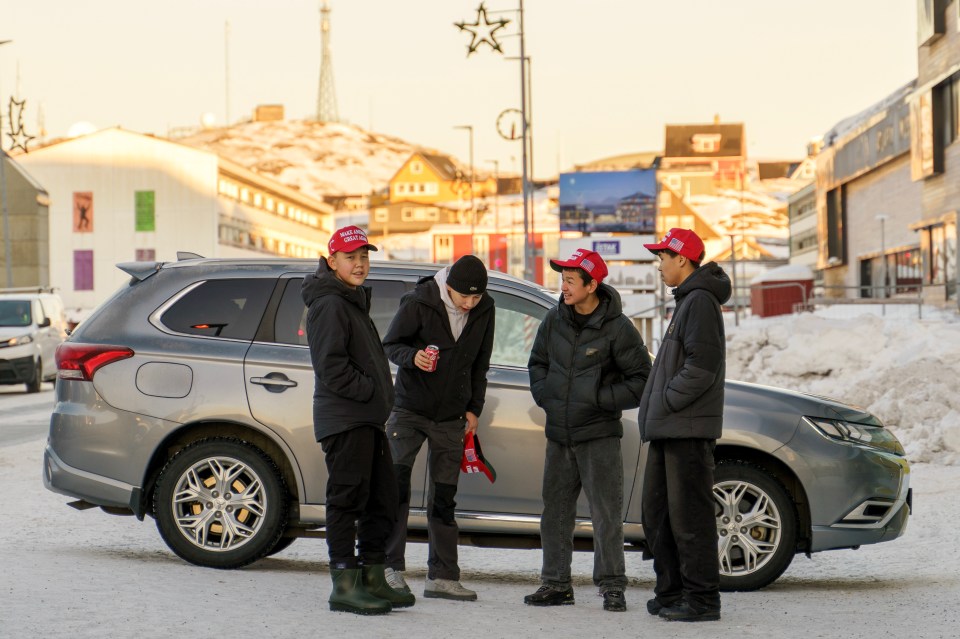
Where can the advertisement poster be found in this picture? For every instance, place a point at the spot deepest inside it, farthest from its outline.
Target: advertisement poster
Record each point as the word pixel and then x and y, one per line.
pixel 82 212
pixel 609 201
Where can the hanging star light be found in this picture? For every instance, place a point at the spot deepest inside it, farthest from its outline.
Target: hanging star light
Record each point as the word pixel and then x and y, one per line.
pixel 19 138
pixel 483 31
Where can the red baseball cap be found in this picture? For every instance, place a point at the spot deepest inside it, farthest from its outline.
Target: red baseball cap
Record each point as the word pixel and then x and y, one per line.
pixel 589 261
pixel 348 239
pixel 682 242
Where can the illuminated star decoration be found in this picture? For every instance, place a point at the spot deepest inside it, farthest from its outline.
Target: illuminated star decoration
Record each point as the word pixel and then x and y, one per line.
pixel 18 137
pixel 483 31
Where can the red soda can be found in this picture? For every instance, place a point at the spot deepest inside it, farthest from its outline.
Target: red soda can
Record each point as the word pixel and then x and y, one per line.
pixel 433 352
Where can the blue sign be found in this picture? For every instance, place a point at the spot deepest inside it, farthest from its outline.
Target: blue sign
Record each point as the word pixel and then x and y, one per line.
pixel 607 247
pixel 609 201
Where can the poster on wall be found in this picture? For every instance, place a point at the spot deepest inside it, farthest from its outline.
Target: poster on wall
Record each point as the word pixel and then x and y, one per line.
pixel 609 201
pixel 82 212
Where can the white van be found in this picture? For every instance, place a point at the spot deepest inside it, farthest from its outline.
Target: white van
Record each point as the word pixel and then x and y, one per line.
pixel 32 325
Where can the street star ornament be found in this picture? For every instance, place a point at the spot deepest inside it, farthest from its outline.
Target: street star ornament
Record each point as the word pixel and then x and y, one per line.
pixel 483 31
pixel 19 138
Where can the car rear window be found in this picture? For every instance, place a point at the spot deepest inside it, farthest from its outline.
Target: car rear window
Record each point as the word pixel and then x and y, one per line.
pixel 221 308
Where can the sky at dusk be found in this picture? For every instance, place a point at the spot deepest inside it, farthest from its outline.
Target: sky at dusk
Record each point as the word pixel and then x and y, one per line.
pixel 607 75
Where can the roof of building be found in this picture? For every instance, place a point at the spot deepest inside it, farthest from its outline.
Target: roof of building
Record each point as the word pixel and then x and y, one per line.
pixel 680 137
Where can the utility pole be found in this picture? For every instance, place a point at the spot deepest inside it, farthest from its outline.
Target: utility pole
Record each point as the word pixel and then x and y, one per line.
pixel 527 258
pixel 473 206
pixel 496 195
pixel 3 198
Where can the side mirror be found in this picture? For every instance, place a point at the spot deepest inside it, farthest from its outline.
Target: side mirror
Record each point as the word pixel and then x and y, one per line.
pixel 45 322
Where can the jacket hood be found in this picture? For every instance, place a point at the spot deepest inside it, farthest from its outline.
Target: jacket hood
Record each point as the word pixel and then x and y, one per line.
pixel 324 282
pixel 709 277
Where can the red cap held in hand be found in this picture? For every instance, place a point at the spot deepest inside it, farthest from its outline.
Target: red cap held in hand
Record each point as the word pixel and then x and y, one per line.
pixel 473 460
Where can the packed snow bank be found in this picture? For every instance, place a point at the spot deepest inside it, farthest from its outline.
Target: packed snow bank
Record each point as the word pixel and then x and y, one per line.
pixel 907 372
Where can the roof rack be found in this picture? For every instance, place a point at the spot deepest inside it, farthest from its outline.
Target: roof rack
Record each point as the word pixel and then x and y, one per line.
pixel 28 289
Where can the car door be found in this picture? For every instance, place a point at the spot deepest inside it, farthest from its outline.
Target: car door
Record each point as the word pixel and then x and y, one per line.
pixel 279 378
pixel 511 426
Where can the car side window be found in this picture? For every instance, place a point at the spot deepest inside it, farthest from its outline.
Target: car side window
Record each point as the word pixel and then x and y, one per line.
pixel 517 322
pixel 291 321
pixel 221 308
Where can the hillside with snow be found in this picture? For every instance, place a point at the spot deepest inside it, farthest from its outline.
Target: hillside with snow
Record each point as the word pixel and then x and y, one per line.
pixel 317 158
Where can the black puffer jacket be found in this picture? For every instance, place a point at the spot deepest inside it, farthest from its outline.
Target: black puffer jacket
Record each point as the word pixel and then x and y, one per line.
pixel 459 383
pixel 684 397
pixel 583 379
pixel 353 386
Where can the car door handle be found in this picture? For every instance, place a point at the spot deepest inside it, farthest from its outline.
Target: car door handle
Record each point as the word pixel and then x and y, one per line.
pixel 274 382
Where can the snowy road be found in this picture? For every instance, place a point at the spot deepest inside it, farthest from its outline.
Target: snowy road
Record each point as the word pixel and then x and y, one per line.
pixel 65 573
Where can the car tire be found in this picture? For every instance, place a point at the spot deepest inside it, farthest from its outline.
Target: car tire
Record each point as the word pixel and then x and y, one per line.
pixel 282 544
pixel 221 503
pixel 756 526
pixel 33 385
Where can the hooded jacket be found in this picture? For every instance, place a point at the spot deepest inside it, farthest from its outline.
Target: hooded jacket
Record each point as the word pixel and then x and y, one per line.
pixel 584 379
pixel 684 396
pixel 353 386
pixel 459 383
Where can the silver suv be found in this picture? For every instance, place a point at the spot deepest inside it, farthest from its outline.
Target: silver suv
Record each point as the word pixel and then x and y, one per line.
pixel 187 397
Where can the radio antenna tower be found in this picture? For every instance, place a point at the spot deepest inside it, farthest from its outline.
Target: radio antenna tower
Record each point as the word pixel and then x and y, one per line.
pixel 327 95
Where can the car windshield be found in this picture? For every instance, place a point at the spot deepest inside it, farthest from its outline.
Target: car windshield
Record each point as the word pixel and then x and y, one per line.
pixel 15 313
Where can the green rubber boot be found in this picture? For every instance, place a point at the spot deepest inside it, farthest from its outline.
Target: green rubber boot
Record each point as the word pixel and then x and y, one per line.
pixel 376 584
pixel 349 595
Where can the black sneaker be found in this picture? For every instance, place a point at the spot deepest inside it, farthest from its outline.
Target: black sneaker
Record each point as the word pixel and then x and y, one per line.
pixel 682 611
pixel 654 606
pixel 547 596
pixel 614 601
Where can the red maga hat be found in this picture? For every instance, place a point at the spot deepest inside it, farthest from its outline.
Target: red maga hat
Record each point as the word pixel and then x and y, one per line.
pixel 589 261
pixel 682 242
pixel 348 239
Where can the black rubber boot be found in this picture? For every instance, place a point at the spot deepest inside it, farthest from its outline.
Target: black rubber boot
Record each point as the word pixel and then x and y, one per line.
pixel 349 595
pixel 376 584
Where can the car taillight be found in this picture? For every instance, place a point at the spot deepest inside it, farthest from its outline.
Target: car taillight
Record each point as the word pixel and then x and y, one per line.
pixel 81 361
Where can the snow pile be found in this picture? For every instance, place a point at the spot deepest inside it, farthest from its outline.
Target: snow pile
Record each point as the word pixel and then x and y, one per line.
pixel 317 158
pixel 904 371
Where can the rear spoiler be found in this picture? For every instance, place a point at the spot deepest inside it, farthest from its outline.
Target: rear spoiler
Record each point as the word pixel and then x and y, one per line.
pixel 142 270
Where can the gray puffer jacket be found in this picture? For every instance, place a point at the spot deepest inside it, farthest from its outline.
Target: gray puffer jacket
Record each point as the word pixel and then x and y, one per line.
pixel 684 397
pixel 583 379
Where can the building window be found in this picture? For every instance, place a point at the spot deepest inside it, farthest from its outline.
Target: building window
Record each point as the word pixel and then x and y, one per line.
pixel 432 188
pixel 674 182
pixel 146 255
pixel 83 270
pixel 381 214
pixel 705 142
pixel 416 167
pixel 83 212
pixel 836 217
pixel 144 204
pixel 666 199
pixel 443 249
pixel 950 95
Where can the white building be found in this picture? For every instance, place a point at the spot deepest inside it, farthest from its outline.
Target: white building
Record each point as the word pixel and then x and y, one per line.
pixel 118 196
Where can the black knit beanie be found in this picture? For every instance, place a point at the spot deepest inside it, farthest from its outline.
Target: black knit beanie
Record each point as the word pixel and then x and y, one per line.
pixel 468 276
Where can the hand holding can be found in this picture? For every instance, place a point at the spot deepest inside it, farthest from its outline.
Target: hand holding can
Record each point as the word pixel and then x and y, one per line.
pixel 433 354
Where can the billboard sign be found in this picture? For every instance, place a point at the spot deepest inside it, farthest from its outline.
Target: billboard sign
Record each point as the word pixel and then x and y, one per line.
pixel 609 201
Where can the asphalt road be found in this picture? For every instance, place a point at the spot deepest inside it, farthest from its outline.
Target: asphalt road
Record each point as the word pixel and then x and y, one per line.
pixel 24 416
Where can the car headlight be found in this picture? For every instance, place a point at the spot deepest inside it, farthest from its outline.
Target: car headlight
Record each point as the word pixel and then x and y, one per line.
pixel 16 341
pixel 875 436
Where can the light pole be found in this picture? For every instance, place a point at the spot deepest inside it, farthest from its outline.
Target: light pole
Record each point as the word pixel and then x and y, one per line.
pixel 3 197
pixel 882 218
pixel 473 209
pixel 496 194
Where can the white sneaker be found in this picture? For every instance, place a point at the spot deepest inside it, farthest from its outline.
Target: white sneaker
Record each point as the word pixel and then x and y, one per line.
pixel 447 589
pixel 395 580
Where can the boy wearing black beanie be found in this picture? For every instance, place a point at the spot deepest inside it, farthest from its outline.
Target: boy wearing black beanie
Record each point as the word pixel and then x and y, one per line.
pixel 437 402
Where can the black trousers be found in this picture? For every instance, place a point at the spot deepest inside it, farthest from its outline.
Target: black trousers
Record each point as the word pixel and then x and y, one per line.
pixel 361 496
pixel 679 520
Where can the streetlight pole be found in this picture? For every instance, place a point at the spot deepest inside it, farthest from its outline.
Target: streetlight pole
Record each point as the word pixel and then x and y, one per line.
pixel 473 208
pixel 3 197
pixel 527 261
pixel 882 218
pixel 496 195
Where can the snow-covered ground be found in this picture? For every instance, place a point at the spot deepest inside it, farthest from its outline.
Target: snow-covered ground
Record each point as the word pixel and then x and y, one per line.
pixel 65 573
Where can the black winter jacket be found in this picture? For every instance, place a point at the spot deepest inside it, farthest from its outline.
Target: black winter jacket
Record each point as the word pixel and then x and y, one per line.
pixel 459 384
pixel 583 379
pixel 684 397
pixel 353 386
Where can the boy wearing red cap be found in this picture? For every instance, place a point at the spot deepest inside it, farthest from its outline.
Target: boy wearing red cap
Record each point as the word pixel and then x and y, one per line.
pixel 588 364
pixel 681 415
pixel 352 397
